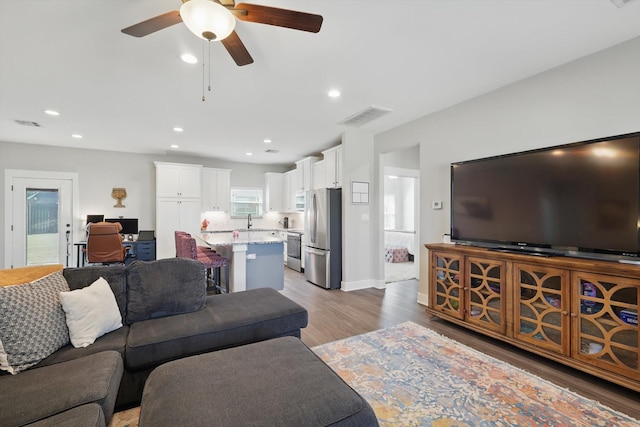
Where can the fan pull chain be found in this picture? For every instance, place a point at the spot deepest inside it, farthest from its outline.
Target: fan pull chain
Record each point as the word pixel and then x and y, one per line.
pixel 202 70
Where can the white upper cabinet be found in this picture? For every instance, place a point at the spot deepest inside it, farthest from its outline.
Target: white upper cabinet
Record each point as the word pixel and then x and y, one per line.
pixel 274 183
pixel 333 167
pixel 319 175
pixel 178 180
pixel 289 190
pixel 304 174
pixel 216 189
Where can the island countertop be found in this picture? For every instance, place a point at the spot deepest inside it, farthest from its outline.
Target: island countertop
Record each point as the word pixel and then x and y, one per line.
pixel 245 238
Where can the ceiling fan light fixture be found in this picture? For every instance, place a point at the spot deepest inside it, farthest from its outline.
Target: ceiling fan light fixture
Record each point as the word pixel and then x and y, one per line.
pixel 207 19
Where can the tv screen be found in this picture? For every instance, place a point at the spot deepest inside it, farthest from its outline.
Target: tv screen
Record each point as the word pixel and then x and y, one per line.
pixel 129 225
pixel 582 197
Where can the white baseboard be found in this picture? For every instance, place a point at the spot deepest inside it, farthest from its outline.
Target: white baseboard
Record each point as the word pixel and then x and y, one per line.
pixel 423 299
pixel 363 284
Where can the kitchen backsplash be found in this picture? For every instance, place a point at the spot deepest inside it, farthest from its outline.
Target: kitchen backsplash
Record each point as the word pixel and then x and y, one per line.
pixel 219 221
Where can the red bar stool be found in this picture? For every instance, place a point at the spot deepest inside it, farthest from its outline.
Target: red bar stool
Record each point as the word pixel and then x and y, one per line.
pixel 186 248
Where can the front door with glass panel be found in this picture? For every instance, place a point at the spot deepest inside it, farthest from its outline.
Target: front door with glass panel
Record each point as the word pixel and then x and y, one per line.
pixel 41 221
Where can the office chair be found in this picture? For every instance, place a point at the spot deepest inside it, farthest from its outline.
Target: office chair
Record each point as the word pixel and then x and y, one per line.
pixel 104 243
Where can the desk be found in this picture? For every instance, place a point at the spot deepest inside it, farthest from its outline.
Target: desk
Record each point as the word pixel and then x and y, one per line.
pixel 144 250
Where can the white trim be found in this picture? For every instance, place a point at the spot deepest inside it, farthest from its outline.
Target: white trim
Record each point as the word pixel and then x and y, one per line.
pixel 9 176
pixel 412 173
pixel 423 299
pixel 362 284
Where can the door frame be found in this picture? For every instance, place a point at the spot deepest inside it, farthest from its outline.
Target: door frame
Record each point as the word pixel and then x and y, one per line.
pixel 9 176
pixel 409 173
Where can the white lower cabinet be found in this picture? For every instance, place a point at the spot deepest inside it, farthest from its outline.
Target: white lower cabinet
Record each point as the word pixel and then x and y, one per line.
pixel 174 215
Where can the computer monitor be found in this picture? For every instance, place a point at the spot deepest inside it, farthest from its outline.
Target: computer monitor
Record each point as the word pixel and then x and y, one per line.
pixel 94 218
pixel 129 225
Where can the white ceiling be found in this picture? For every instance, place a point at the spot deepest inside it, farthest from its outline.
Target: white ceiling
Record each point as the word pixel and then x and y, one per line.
pixel 413 56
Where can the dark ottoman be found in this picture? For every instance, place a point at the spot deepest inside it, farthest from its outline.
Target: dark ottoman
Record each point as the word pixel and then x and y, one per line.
pixel 279 382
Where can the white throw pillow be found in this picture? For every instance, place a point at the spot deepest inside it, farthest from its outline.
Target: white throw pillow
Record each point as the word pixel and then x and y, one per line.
pixel 91 312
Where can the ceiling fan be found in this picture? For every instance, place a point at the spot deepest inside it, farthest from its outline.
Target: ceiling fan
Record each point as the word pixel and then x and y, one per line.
pixel 214 20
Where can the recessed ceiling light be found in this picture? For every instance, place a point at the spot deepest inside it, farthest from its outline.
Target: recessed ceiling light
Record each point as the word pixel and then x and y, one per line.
pixel 76 136
pixel 249 154
pixel 175 146
pixel 334 93
pixel 51 112
pixel 189 58
pixel 178 129
pixel 267 141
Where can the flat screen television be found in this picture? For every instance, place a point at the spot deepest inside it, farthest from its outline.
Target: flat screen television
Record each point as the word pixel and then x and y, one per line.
pixel 129 225
pixel 580 199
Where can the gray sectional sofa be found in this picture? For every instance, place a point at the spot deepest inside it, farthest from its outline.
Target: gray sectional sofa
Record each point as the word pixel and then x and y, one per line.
pixel 167 316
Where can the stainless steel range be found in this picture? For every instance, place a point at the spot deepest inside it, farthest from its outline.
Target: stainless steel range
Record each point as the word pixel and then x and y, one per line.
pixel 294 251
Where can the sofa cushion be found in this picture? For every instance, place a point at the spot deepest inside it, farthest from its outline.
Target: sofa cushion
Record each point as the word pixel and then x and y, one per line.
pixel 277 382
pixel 115 275
pixel 42 392
pixel 228 320
pixel 91 312
pixel 113 341
pixel 32 324
pixel 164 287
pixel 89 415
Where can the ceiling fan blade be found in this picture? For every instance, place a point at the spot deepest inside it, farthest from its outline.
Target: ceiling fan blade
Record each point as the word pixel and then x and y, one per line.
pixel 280 17
pixel 237 50
pixel 152 25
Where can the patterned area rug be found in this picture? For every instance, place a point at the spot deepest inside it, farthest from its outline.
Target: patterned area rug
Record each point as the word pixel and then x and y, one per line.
pixel 413 376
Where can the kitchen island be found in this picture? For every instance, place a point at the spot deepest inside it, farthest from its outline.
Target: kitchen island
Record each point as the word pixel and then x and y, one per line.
pixel 255 258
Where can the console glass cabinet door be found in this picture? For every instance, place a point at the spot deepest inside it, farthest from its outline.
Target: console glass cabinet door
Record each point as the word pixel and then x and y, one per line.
pixel 542 308
pixel 484 287
pixel 605 309
pixel 447 294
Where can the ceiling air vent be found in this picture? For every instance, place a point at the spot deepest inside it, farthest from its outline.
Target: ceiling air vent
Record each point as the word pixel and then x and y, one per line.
pixel 28 123
pixel 272 151
pixel 620 3
pixel 365 116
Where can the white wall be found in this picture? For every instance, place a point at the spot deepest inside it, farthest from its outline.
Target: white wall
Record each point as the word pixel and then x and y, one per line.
pixel 592 97
pixel 406 158
pixel 99 171
pixel 359 232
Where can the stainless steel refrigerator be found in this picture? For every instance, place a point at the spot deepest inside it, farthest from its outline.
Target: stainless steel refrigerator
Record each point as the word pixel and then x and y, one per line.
pixel 323 238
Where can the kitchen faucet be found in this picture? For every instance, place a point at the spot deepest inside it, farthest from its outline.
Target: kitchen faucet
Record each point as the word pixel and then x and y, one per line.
pixel 248 221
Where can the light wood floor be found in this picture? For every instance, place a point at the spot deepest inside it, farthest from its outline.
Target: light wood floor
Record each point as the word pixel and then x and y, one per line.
pixel 334 314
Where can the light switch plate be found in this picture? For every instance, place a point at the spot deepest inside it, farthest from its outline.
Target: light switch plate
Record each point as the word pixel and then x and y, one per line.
pixel 437 204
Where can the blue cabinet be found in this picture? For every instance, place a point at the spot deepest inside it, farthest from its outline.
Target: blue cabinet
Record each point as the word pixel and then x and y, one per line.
pixel 141 250
pixel 264 266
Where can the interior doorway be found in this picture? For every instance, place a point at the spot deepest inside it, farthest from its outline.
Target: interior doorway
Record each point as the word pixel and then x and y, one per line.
pixel 400 219
pixel 39 214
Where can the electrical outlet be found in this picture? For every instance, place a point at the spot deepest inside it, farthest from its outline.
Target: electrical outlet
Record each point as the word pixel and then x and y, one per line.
pixel 437 204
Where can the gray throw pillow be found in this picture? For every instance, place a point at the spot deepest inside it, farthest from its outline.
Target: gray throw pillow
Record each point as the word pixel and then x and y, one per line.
pixel 32 322
pixel 164 287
